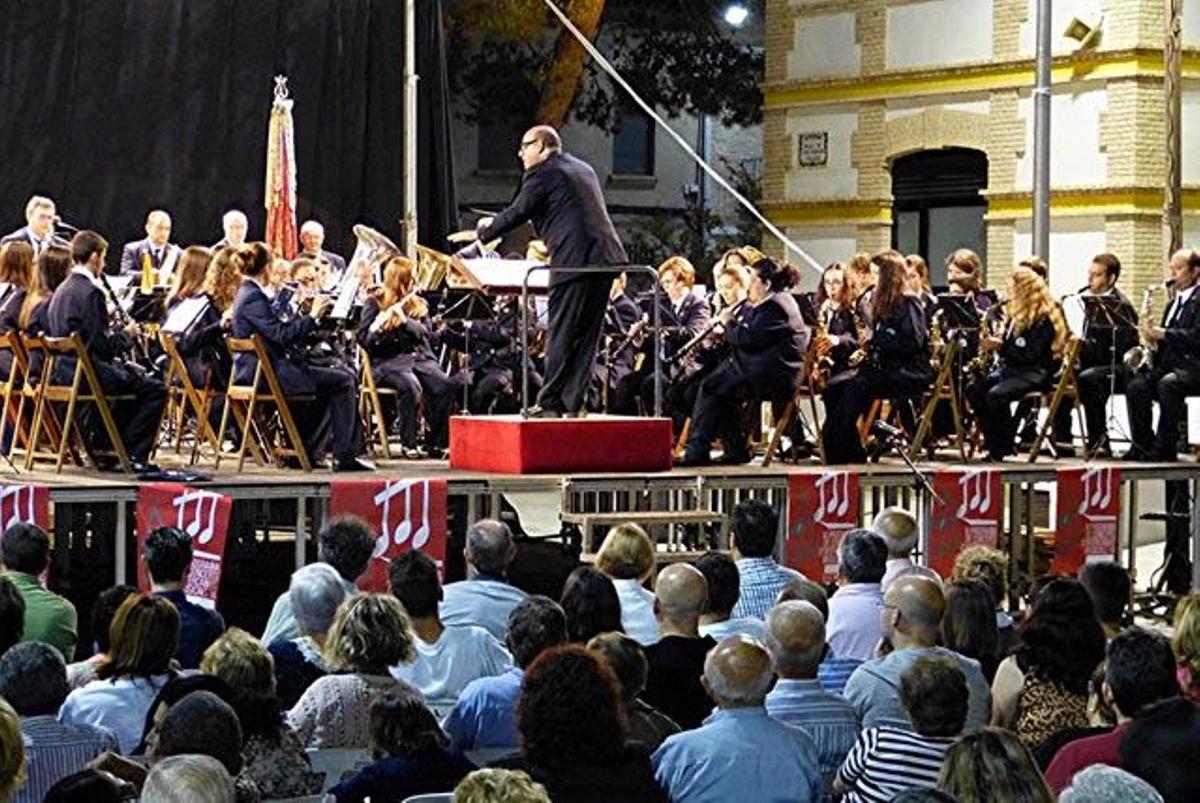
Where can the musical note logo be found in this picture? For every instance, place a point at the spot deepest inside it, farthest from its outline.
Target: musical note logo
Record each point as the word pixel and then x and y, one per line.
pixel 1098 490
pixel 833 499
pixel 199 528
pixel 399 534
pixel 13 495
pixel 975 490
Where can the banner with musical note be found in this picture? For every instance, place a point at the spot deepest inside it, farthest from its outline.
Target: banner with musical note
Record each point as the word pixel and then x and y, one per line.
pixel 405 514
pixel 1087 507
pixel 970 512
pixel 20 502
pixel 203 515
pixel 822 507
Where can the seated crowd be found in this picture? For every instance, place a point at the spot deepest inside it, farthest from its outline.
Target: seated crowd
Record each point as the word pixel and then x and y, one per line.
pixel 731 679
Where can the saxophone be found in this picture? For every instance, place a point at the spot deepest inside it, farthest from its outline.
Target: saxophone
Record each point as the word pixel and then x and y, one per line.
pixel 937 338
pixel 822 348
pixel 863 334
pixel 1141 357
pixel 984 362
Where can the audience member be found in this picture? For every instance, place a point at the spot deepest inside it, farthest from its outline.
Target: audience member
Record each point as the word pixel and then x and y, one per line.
pixel 796 640
pixel 188 779
pixel 314 596
pixel 485 715
pixel 1186 645
pixel 752 544
pixel 573 734
pixel 447 658
pixel 646 724
pixel 886 760
pixel 12 615
pixel 175 689
pixel 48 617
pixel 590 602
pixel 912 617
pixel 370 634
pixel 899 530
pixel 486 598
pixel 969 624
pixel 627 556
pixel 990 566
pixel 1108 585
pixel 499 786
pixel 739 750
pixel 676 662
pixel 1043 687
pixel 853 627
pixel 1104 784
pixel 103 609
pixel 167 552
pixel 410 752
pixel 33 678
pixel 91 786
pixel 1139 670
pixel 992 764
pixel 346 544
pixel 275 758
pixel 834 670
pixel 203 724
pixel 143 637
pixel 724 586
pixel 1162 747
pixel 12 752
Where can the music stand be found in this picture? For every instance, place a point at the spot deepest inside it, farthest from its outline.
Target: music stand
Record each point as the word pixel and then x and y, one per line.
pixel 1115 314
pixel 809 308
pixel 465 304
pixel 959 310
pixel 149 307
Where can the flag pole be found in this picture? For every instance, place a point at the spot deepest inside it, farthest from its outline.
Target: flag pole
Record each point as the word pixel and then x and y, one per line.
pixel 410 128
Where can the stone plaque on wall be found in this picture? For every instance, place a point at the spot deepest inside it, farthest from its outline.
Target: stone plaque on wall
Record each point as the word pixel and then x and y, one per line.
pixel 814 149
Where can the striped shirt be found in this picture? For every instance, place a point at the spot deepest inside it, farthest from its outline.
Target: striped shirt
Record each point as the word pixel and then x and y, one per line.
pixel 828 718
pixel 54 750
pixel 834 672
pixel 761 581
pixel 886 761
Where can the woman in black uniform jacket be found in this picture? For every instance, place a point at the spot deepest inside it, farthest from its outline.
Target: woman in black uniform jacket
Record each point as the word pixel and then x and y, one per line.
pixel 769 340
pixel 896 363
pixel 16 270
pixel 396 333
pixel 835 309
pixel 1033 342
pixel 50 271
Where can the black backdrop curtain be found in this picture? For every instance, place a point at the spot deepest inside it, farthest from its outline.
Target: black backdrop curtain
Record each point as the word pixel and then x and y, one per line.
pixel 116 107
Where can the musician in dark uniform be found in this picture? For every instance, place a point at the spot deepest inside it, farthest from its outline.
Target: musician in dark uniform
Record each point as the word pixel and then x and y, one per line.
pixel 839 340
pixel 156 248
pixel 1175 371
pixel 896 364
pixel 493 352
pixel 561 196
pixel 335 386
pixel 614 387
pixel 78 306
pixel 16 271
pixel 331 266
pixel 686 318
pixel 769 342
pixel 1035 335
pixel 397 334
pixel 51 270
pixel 38 230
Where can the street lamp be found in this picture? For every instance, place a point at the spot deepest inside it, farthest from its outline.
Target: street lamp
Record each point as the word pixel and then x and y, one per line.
pixel 736 14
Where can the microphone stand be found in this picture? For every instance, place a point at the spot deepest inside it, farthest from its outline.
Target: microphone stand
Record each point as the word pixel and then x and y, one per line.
pixel 898 443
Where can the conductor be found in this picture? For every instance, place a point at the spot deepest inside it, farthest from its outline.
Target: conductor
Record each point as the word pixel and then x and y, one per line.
pixel 560 195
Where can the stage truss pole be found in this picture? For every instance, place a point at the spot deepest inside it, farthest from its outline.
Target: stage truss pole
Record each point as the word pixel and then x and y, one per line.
pixel 1041 134
pixel 410 128
pixel 1173 91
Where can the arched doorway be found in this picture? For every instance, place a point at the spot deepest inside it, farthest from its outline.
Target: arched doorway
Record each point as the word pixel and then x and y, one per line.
pixel 937 206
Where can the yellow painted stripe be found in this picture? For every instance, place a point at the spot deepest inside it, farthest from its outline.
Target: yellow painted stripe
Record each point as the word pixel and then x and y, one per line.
pixel 972 78
pixel 828 213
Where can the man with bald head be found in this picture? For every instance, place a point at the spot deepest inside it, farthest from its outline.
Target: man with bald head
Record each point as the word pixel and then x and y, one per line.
pixel 911 620
pixel 899 530
pixel 156 248
pixel 676 661
pixel 739 753
pixel 561 196
pixel 796 641
pixel 485 598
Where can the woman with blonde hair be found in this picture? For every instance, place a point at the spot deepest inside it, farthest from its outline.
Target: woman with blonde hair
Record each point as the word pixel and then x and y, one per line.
pixel 627 556
pixel 370 634
pixel 1186 644
pixel 12 752
pixel 1034 337
pixel 992 764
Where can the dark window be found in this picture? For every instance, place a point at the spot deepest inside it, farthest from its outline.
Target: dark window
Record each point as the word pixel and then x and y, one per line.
pixel 633 145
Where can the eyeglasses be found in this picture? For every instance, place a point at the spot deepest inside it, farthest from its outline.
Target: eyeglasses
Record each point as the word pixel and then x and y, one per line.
pixel 528 144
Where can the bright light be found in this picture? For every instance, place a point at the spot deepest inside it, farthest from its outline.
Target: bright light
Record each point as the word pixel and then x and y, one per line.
pixel 736 15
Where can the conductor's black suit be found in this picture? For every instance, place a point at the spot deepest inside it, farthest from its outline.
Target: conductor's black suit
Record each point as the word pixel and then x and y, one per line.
pixel 561 197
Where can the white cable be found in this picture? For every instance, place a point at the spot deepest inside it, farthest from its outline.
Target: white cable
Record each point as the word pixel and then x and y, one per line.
pixel 717 177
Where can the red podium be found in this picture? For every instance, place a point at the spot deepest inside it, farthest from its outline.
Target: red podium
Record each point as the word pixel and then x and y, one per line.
pixel 509 444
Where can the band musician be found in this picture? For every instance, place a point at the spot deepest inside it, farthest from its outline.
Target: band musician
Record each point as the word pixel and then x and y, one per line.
pixel 38 230
pixel 156 249
pixel 78 306
pixel 768 343
pixel 1175 372
pixel 836 339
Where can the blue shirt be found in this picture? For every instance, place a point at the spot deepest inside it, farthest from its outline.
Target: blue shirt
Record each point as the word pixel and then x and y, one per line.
pixel 874 689
pixel 827 718
pixel 834 672
pixel 761 581
pixel 198 628
pixel 54 750
pixel 483 601
pixel 739 754
pixel 485 715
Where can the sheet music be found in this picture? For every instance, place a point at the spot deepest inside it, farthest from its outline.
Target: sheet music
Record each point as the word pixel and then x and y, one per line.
pixel 347 295
pixel 185 313
pixel 1076 314
pixel 507 274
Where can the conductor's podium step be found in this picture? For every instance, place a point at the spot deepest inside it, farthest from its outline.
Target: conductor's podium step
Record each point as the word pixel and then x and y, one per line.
pixel 509 444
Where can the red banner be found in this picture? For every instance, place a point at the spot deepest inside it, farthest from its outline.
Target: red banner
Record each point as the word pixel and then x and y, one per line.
pixel 970 512
pixel 204 516
pixel 406 514
pixel 1089 502
pixel 822 507
pixel 26 503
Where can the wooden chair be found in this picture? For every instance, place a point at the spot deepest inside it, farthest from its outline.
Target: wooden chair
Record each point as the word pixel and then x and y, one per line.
pixel 84 388
pixel 244 399
pixel 30 390
pixel 11 390
pixel 369 393
pixel 1053 399
pixel 945 389
pixel 183 395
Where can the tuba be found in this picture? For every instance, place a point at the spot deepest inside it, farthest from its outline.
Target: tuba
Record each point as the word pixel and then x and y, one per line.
pixel 1141 357
pixel 373 250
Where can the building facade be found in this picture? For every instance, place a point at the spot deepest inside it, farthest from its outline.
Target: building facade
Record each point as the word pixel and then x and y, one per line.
pixel 909 123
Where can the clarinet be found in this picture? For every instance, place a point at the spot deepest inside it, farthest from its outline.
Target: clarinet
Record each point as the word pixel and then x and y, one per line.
pixel 125 321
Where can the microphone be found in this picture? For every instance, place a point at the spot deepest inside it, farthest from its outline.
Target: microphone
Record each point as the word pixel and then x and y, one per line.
pixel 886 431
pixel 64 225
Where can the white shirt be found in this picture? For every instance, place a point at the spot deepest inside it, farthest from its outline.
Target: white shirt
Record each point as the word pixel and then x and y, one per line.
pixel 854 629
pixel 900 567
pixel 444 668
pixel 637 611
pixel 119 705
pixel 482 601
pixel 745 626
pixel 1181 298
pixel 86 272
